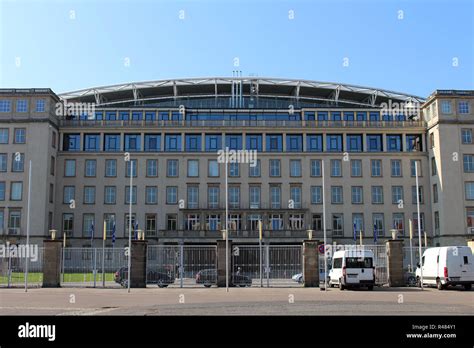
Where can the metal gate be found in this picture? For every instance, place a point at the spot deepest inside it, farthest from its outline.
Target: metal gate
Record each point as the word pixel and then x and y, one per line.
pixel 12 269
pixel 266 265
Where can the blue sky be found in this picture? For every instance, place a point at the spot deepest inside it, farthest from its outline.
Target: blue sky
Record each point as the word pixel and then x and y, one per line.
pixel 44 44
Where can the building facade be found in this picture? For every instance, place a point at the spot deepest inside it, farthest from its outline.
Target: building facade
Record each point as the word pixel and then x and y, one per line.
pixel 84 145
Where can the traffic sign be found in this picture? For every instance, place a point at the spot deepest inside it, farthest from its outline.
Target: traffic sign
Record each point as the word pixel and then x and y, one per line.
pixel 321 248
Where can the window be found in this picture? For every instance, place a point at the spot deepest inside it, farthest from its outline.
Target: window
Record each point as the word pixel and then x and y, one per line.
pixel 337 225
pixel 463 107
pixel 255 171
pixel 193 197
pixel 415 221
pixel 213 197
pixel 3 135
pixel 127 195
pixel 112 142
pixel 193 142
pixel 151 168
pixel 110 168
pixel 323 116
pixel 173 142
pixel 435 193
pixel 316 195
pixel 336 116
pixel 466 136
pixel 233 141
pixel 468 161
pixel 377 194
pixel 469 188
pixel 254 142
pixel 275 168
pixel 234 170
pixel 314 143
pixel 274 143
pixel 70 167
pixel 18 163
pixel 14 222
pixel 127 223
pixel 336 168
pixel 374 143
pixel 110 195
pixel 5 105
pixel 193 168
pixel 109 220
pixel 414 142
pixel 171 195
pixel 213 222
pixel 446 107
pixel 399 223
pixel 470 217
pixel 69 193
pixel 317 222
pixel 2 190
pixel 132 142
pixel 356 168
pixel 420 194
pixel 71 142
pixel 172 168
pixel 396 168
pixel 336 194
pixel 436 222
pixel 89 195
pixel 296 196
pixel 90 168
pixel 434 170
pixel 16 191
pixel 40 105
pixel 378 223
pixel 358 223
pixel 91 142
pixel 150 225
pixel 275 197
pixel 152 142
pixel 88 225
pixel 334 143
pixel 51 193
pixel 53 165
pixel 68 224
pixel 397 194
pixel 20 136
pixel 21 105
pixel 296 221
pixel 294 143
pixel 213 142
pixel 131 167
pixel 357 195
pixel 394 143
pixel 354 143
pixel 295 168
pixel 254 197
pixel 234 197
pixel 315 168
pixel 413 169
pixel 3 162
pixel 151 195
pixel 213 168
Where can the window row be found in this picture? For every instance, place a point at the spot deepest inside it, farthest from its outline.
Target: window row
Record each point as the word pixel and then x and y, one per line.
pixel 21 105
pixel 19 136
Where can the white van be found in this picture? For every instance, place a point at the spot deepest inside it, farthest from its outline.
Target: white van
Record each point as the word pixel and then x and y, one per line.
pixel 444 266
pixel 352 269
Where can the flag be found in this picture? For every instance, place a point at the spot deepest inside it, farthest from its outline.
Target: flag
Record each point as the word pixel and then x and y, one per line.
pixel 355 232
pixel 113 233
pixel 92 231
pixel 375 232
pixel 136 231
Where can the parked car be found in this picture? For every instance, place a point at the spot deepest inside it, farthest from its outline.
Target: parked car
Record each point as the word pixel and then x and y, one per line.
pixel 160 278
pixel 299 277
pixel 410 279
pixel 352 269
pixel 208 277
pixel 446 266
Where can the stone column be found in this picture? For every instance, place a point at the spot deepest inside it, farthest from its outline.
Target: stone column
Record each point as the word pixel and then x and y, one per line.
pixel 138 264
pixel 395 263
pixel 221 262
pixel 52 263
pixel 310 263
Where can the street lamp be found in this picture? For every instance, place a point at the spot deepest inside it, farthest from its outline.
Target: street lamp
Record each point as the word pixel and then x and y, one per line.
pixel 53 234
pixel 310 234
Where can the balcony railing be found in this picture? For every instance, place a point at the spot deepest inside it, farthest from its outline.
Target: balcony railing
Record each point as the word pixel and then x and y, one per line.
pixel 244 123
pixel 269 234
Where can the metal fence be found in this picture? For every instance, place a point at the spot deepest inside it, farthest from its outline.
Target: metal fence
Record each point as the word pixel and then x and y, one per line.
pixel 12 268
pixel 411 257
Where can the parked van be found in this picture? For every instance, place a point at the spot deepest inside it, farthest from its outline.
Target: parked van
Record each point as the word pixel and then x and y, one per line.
pixel 444 266
pixel 352 269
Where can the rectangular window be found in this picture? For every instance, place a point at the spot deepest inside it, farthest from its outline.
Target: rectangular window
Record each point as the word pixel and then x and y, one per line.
pixel 275 168
pixel 172 168
pixel 432 140
pixel 412 168
pixel 110 168
pixel 131 168
pixel 378 224
pixel 213 142
pixel 468 161
pixel 112 142
pixel 415 221
pixel 295 168
pixel 357 195
pixel 234 170
pixel 5 105
pixel 52 168
pixel 254 142
pixel 71 142
pixel 323 116
pixel 172 142
pixel 358 223
pixel 394 143
pixel 20 136
pixel 399 223
pixel 275 197
pixel 213 197
pixel 132 142
pixel 3 162
pixel 18 162
pixel 315 168
pixel 436 222
pixel 16 191
pixel 463 107
pixel 171 195
pixel 51 193
pixel 53 139
pixel 296 196
pixel 374 143
pixel 316 195
pixel 151 195
pixel 356 168
pixel 150 225
pixel 294 143
pixel 234 197
pixel 152 142
pixel 88 225
pixel 314 143
pixel 68 224
pixel 40 105
pixel 3 135
pixel 193 197
pixel 396 168
pixel 466 136
pixel 336 168
pixel 89 194
pixel 397 194
pixel 255 171
pixel 213 168
pixel 233 141
pixel 69 193
pixel 254 194
pixel 193 142
pixel 70 167
pixel 317 222
pixel 414 142
pixel 91 142
pixel 334 143
pixel 469 189
pixel 446 106
pixel 127 195
pixel 337 225
pixel 274 143
pixel 193 168
pixel 2 190
pixel 152 168
pixel 377 194
pixel 90 168
pixel 354 143
pixel 110 195
pixel 336 194
pixel 434 170
pixel 21 105
pixel 435 193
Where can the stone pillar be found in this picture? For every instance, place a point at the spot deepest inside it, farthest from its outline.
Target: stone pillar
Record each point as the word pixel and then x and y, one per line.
pixel 221 262
pixel 52 263
pixel 310 263
pixel 395 263
pixel 138 265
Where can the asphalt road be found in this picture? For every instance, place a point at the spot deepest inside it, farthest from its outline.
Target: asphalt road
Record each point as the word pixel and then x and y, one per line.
pixel 238 301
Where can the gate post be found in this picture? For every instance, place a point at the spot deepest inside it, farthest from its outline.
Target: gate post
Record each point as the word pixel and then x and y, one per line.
pixel 395 262
pixel 310 263
pixel 221 262
pixel 138 264
pixel 52 263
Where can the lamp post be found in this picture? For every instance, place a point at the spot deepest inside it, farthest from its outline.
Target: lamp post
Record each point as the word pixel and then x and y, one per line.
pixel 28 225
pixel 418 221
pixel 324 229
pixel 130 224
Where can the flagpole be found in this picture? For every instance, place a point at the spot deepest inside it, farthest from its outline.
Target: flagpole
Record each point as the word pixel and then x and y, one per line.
pixel 130 225
pixel 411 243
pixel 324 230
pixel 103 253
pixel 28 226
pixel 418 223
